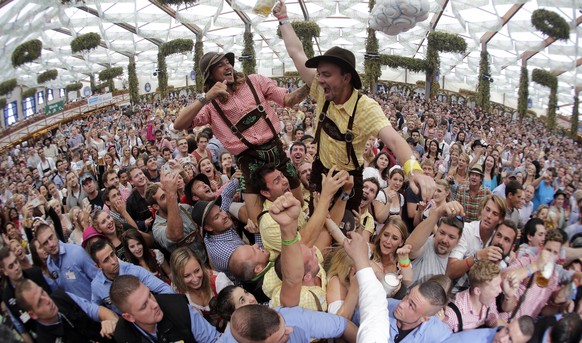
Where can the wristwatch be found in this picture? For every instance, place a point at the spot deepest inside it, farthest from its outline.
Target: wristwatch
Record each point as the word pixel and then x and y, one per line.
pixel 202 99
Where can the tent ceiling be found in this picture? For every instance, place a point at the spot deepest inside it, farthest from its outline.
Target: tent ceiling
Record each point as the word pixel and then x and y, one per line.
pixel 138 27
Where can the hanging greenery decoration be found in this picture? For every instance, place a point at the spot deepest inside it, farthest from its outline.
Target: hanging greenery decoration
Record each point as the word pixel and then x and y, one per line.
pixel 177 46
pixel 92 82
pixel 7 86
pixel 420 84
pixel 47 76
pixel 198 53
pixel 85 42
pixel 111 84
pixel 133 81
pixel 372 70
pixel 162 75
pixel 437 42
pixel 249 63
pixel 100 86
pixel 484 85
pixel 466 92
pixel 2 102
pixel 551 24
pixel 523 93
pixel 26 52
pixel 110 73
pixel 412 64
pixel 547 79
pixel 573 120
pixel 28 93
pixel 73 87
pixel 306 30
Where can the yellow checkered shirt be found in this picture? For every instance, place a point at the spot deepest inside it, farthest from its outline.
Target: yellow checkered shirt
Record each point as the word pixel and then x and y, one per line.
pixel 369 120
pixel 272 288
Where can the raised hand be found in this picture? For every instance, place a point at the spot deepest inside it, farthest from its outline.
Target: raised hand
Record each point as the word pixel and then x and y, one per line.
pixel 218 90
pixel 285 211
pixel 280 10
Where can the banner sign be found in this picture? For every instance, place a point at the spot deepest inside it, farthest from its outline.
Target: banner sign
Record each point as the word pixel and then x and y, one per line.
pixel 97 99
pixel 54 108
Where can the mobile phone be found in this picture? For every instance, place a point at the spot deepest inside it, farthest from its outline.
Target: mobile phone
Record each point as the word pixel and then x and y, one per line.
pixel 166 168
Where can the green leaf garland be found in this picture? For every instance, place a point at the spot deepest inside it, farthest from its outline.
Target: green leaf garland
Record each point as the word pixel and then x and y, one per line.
pixel 372 69
pixel 573 120
pixel 133 81
pixel 547 79
pixel 85 42
pixel 523 93
pixel 249 65
pixel 7 86
pixel 306 30
pixel 28 93
pixel 2 103
pixel 198 53
pixel 484 86
pixel 47 76
pixel 177 46
pixel 110 73
pixel 73 87
pixel 162 75
pixel 26 52
pixel 551 24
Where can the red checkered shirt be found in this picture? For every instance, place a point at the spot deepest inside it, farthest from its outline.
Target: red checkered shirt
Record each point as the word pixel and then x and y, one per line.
pixel 237 106
pixel 471 203
pixel 471 319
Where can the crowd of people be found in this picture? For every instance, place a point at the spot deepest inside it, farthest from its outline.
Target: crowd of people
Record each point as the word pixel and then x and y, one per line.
pixel 256 213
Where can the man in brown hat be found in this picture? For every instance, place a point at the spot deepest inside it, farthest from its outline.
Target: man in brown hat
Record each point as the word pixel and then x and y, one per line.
pixel 470 195
pixel 347 117
pixel 236 106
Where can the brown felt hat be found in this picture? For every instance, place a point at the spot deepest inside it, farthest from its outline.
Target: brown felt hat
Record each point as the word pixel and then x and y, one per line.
pixel 210 59
pixel 343 58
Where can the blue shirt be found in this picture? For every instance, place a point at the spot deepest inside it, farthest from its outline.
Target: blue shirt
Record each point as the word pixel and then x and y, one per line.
pixel 201 329
pixel 473 336
pixel 220 247
pixel 101 284
pixel 431 331
pixel 74 270
pixel 306 324
pixel 544 195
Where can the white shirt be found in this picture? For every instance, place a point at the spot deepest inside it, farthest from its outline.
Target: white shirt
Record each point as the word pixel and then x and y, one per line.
pixel 374 324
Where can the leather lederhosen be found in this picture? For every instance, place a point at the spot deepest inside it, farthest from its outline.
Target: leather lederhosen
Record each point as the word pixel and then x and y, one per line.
pixel 331 129
pixel 255 156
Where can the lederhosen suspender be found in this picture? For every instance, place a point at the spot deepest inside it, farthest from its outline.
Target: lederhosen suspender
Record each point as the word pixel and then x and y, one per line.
pixel 334 132
pixel 248 120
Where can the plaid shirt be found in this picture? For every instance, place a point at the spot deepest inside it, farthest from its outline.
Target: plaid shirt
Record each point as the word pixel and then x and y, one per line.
pixel 220 247
pixel 237 106
pixel 471 318
pixel 471 203
pixel 271 232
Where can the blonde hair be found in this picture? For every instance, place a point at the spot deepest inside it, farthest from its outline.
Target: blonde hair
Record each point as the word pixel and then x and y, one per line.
pixel 445 184
pixel 340 265
pixel 400 225
pixel 482 272
pixel 178 261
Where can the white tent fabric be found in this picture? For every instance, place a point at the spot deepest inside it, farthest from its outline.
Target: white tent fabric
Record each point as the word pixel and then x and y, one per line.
pixel 138 27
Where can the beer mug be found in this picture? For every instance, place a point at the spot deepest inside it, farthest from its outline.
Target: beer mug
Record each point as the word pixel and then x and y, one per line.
pixel 390 282
pixel 544 275
pixel 263 7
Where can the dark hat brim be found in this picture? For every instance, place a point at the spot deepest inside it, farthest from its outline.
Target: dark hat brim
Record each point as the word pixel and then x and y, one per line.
pixel 314 63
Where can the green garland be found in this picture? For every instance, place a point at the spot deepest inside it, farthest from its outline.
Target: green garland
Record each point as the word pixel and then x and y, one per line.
pixel 111 84
pixel 420 84
pixel 437 42
pixel 523 93
pixel 198 53
pixel 467 92
pixel 47 76
pixel 551 24
pixel 26 52
pixel 73 87
pixel 7 86
pixel 484 86
pixel 573 120
pixel 110 73
pixel 306 30
pixel 92 83
pixel 179 2
pixel 177 46
pixel 249 65
pixel 133 81
pixel 412 64
pixel 2 103
pixel 547 79
pixel 162 75
pixel 85 42
pixel 28 93
pixel 372 69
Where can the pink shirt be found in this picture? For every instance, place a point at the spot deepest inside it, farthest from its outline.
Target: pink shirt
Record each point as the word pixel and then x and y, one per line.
pixel 237 106
pixel 471 318
pixel 536 297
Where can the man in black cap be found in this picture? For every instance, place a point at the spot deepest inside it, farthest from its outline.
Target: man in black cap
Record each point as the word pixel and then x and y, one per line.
pixel 236 106
pixel 347 117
